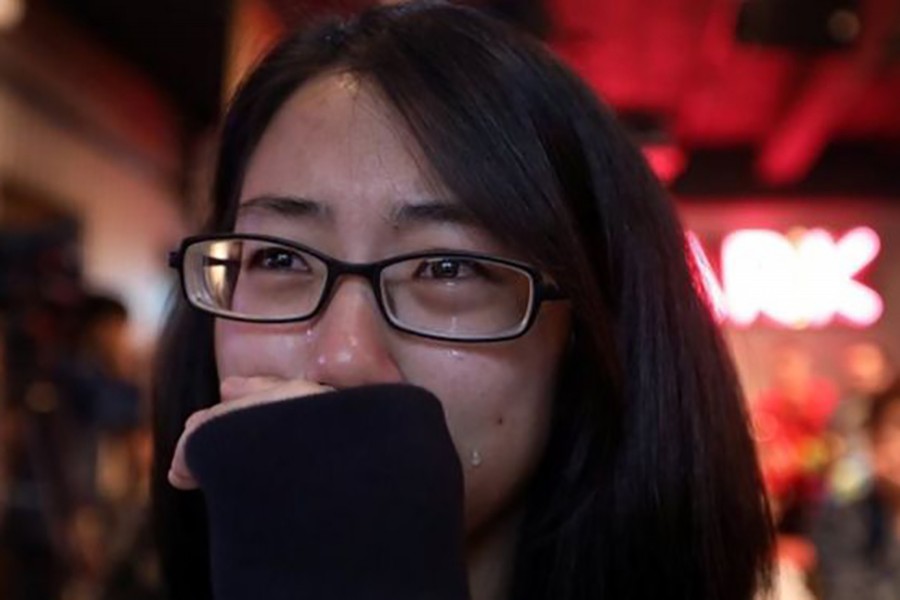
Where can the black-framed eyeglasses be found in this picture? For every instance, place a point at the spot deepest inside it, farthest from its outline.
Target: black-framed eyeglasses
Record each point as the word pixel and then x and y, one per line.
pixel 458 296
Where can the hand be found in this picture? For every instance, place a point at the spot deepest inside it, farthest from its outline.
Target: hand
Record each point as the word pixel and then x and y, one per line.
pixel 237 393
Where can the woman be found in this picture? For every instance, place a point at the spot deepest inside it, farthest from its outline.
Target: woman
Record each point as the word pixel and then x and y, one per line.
pixel 601 431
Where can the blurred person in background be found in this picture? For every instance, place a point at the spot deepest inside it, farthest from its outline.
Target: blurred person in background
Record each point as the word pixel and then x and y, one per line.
pixel 34 551
pixel 858 543
pixel 791 419
pixel 101 388
pixel 73 410
pixel 98 383
pixel 40 291
pixel 868 371
pixel 444 342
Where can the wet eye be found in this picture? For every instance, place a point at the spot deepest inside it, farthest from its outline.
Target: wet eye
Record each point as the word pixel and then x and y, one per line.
pixel 447 268
pixel 277 259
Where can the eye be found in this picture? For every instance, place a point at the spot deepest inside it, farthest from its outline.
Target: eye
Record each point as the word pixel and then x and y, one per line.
pixel 448 268
pixel 277 259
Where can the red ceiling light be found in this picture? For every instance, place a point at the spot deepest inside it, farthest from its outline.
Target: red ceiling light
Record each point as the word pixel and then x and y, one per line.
pixel 667 160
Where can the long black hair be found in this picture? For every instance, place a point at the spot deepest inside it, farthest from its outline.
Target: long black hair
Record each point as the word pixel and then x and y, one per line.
pixel 649 487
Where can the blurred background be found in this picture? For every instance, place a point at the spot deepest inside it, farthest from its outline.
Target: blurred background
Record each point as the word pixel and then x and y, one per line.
pixel 774 123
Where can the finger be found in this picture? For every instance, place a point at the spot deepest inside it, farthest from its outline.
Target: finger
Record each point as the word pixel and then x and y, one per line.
pixel 249 390
pixel 180 475
pixel 234 387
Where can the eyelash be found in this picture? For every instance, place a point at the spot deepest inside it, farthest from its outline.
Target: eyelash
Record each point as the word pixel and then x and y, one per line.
pixel 474 269
pixel 257 259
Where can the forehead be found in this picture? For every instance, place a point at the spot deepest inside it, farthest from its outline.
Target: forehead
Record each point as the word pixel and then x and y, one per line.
pixel 336 139
pixel 337 169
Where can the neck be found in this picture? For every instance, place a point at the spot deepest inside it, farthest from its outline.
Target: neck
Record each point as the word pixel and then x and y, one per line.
pixel 490 556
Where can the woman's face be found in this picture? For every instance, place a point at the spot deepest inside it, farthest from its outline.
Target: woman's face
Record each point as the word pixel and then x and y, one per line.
pixel 335 146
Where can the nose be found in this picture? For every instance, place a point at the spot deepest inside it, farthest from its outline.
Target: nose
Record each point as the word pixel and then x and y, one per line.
pixel 350 345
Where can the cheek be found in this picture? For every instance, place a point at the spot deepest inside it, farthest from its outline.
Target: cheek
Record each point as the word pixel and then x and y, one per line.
pixel 488 402
pixel 247 349
pixel 483 396
pixel 499 402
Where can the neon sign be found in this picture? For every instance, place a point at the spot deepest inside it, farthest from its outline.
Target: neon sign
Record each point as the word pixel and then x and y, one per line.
pixel 807 280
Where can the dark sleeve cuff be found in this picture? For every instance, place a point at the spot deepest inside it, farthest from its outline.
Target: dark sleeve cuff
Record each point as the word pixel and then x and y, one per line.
pixel 355 494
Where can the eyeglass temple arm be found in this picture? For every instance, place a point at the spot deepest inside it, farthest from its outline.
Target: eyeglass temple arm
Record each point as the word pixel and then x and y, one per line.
pixel 550 291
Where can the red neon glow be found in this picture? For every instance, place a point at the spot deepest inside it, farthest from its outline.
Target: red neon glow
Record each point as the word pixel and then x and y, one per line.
pixel 667 160
pixel 803 282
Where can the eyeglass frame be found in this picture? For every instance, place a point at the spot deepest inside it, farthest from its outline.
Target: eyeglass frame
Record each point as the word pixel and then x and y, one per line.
pixel 542 290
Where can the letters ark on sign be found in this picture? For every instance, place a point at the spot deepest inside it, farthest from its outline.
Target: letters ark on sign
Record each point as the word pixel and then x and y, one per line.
pixel 797 281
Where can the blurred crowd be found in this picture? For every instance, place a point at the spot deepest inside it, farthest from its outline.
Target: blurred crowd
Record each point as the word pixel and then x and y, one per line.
pixel 74 444
pixel 830 458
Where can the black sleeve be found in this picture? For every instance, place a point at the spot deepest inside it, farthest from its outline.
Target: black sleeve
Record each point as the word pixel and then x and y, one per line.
pixel 347 495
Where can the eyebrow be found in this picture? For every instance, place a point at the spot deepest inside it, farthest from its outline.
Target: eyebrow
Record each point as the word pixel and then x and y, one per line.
pixel 289 206
pixel 431 212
